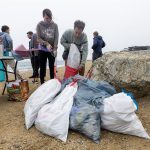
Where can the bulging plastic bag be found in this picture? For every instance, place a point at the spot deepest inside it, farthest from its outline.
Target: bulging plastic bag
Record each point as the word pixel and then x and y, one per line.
pixel 86 120
pixel 18 90
pixel 119 116
pixel 43 95
pixel 73 61
pixel 53 118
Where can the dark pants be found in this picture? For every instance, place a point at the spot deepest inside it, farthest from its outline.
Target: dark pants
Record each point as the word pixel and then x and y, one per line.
pixel 96 56
pixel 35 65
pixel 43 60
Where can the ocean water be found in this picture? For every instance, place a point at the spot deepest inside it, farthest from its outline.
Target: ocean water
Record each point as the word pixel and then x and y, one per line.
pixel 25 65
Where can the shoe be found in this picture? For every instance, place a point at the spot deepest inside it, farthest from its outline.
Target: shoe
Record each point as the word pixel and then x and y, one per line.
pixel 35 81
pixel 32 76
pixel 36 76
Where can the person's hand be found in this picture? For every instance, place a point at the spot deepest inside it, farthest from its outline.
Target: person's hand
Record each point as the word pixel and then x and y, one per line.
pixel 80 67
pixel 55 53
pixel 49 47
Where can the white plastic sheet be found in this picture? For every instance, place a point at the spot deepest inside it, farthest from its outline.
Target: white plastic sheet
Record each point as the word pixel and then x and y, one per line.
pixel 53 118
pixel 43 95
pixel 119 116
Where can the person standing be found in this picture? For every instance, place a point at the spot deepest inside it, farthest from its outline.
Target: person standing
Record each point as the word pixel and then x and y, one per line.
pixel 33 44
pixel 97 46
pixel 47 34
pixel 8 47
pixel 79 38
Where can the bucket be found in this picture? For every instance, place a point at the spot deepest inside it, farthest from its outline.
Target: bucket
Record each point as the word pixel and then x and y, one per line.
pixel 69 72
pixel 2 73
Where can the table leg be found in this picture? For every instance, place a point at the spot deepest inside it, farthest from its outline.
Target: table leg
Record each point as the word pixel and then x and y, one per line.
pixel 15 70
pixel 4 89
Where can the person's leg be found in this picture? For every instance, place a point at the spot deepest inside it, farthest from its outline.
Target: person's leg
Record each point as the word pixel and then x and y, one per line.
pixel 36 66
pixel 66 62
pixel 32 64
pixel 42 61
pixel 51 65
pixel 96 56
pixel 65 56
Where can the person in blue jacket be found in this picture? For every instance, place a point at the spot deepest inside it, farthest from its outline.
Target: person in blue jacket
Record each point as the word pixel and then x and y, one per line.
pixel 8 48
pixel 97 46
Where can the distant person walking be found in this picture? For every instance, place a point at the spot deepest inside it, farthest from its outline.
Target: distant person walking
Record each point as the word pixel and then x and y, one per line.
pixel 79 38
pixel 47 34
pixel 33 44
pixel 98 44
pixel 8 47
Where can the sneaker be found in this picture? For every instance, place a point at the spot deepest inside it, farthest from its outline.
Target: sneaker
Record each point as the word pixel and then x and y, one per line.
pixel 32 76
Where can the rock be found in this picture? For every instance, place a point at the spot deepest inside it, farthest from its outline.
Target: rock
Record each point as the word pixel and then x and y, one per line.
pixel 129 70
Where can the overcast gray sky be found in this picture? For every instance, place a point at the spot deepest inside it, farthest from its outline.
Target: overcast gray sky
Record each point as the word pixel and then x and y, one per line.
pixel 122 23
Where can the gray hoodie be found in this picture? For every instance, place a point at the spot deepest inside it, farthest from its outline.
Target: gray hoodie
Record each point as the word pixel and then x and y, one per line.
pixel 48 32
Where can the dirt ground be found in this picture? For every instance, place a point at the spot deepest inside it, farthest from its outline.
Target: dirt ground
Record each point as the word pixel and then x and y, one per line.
pixel 14 136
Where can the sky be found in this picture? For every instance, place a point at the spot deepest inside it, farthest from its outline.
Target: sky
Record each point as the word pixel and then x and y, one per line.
pixel 121 23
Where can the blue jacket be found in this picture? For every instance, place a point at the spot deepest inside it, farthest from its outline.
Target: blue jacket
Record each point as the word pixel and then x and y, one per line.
pixel 7 41
pixel 98 44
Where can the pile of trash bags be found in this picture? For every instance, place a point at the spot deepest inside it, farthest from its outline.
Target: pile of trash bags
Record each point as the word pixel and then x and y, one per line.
pixel 84 106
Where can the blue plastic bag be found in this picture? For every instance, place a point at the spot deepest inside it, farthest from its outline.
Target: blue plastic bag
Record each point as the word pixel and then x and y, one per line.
pixel 86 120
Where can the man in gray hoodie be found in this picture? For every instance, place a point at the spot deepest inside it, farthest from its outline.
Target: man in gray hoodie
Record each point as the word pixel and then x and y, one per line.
pixel 79 38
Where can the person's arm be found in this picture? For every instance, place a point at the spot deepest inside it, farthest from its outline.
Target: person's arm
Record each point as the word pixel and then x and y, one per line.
pixel 9 41
pixel 64 41
pixel 56 36
pixel 34 41
pixel 84 49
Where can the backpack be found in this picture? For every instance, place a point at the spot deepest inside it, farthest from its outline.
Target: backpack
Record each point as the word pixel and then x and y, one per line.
pixel 103 44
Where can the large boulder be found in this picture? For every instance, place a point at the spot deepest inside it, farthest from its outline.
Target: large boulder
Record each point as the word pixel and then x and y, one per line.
pixel 129 70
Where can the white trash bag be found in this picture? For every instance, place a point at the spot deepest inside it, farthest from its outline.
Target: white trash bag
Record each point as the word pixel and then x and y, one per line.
pixel 73 60
pixel 43 95
pixel 119 116
pixel 53 118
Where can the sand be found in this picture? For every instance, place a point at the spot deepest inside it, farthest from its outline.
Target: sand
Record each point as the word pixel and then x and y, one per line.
pixel 14 136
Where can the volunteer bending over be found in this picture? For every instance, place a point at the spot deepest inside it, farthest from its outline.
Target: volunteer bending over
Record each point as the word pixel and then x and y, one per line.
pixel 79 38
